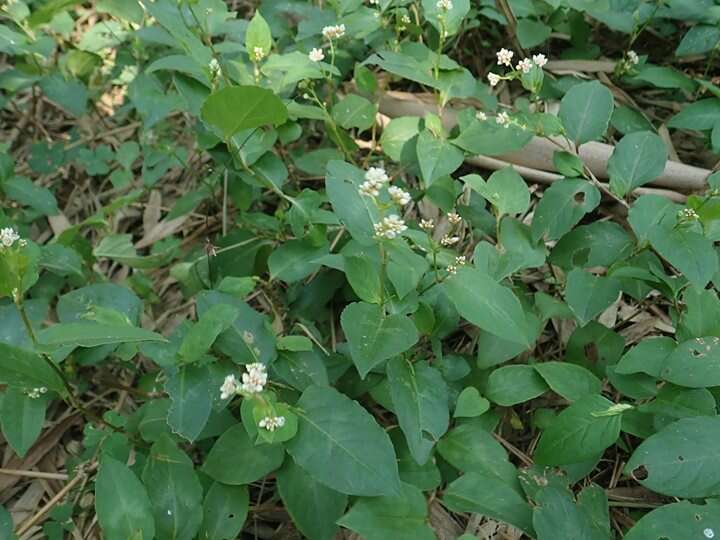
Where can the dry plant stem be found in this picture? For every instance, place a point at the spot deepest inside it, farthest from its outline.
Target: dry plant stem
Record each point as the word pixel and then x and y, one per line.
pixel 33 474
pixel 538 153
pixel 24 527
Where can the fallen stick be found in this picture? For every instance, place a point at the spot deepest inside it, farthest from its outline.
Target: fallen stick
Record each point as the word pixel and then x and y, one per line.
pixel 538 153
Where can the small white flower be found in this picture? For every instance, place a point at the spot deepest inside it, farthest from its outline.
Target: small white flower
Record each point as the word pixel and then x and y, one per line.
pixel 504 57
pixel 8 236
pixel 525 65
pixel 214 67
pixel 448 240
pixel 405 19
pixel 369 189
pixel 248 337
pixel 334 32
pixel 460 260
pixel 452 269
pixel 688 214
pixel 229 387
pixel 390 227
pixel 316 55
pixel 454 218
pixel 399 196
pixel 444 5
pixel 481 116
pixel 539 60
pixel 35 393
pixel 709 533
pixel 258 53
pixel 633 57
pixel 493 78
pixel 427 224
pixel 376 175
pixel 271 423
pixel 255 379
pixel 503 119
pixel 374 2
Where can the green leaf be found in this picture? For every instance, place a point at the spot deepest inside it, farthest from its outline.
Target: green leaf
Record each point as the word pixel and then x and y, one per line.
pixel 258 35
pixel 589 295
pixel 487 304
pixel 6 524
pixel 451 20
pixel 682 460
pixel 225 509
pixel 505 190
pixel 122 505
pixel 25 369
pixel 698 40
pixel 436 157
pixel 203 334
pixel 420 400
pixel 235 108
pixel 354 111
pixel 470 404
pixel 568 380
pixel 647 356
pixel 568 164
pixel 46 12
pixel 691 253
pixel 22 419
pixel 637 159
pixel 356 212
pixel 88 334
pixel 401 517
pixel 578 434
pixel 174 490
pixel 694 363
pixel 585 111
pixel 485 494
pixel 294 344
pixel 698 116
pixel 342 446
pixel 295 260
pixel 557 517
pixel 532 33
pixel 510 385
pixel 235 460
pixel 563 205
pixel 119 247
pixel 678 521
pixel 364 278
pixel 313 507
pixel 190 389
pixel 26 192
pixel 471 448
pixel 373 336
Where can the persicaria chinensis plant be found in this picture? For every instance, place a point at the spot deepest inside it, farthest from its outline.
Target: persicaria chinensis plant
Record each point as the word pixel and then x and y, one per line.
pixel 381 269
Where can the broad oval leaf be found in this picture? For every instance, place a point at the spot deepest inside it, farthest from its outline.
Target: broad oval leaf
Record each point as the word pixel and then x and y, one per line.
pixel 585 111
pixel 579 433
pixel 682 460
pixel 489 305
pixel 374 336
pixel 235 108
pixel 224 511
pixel 678 521
pixel 638 158
pixel 340 444
pixel 121 502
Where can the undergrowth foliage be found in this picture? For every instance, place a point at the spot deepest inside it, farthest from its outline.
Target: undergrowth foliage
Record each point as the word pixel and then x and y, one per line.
pixel 265 295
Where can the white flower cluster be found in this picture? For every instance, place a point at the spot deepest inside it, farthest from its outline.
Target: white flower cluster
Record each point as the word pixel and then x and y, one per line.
pixel 375 178
pixel 215 68
pixel 688 214
pixel 633 58
pixel 333 32
pixel 399 195
pixel 460 260
pixel 253 381
pixel 35 393
pixel 427 224
pixel 444 5
pixel 316 55
pixel 454 218
pixel 448 240
pixel 271 423
pixel 390 227
pixel 8 237
pixel 258 53
pixel 503 119
pixel 504 58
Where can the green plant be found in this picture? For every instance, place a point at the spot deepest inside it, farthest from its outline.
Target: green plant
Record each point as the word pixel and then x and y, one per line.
pixel 262 278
